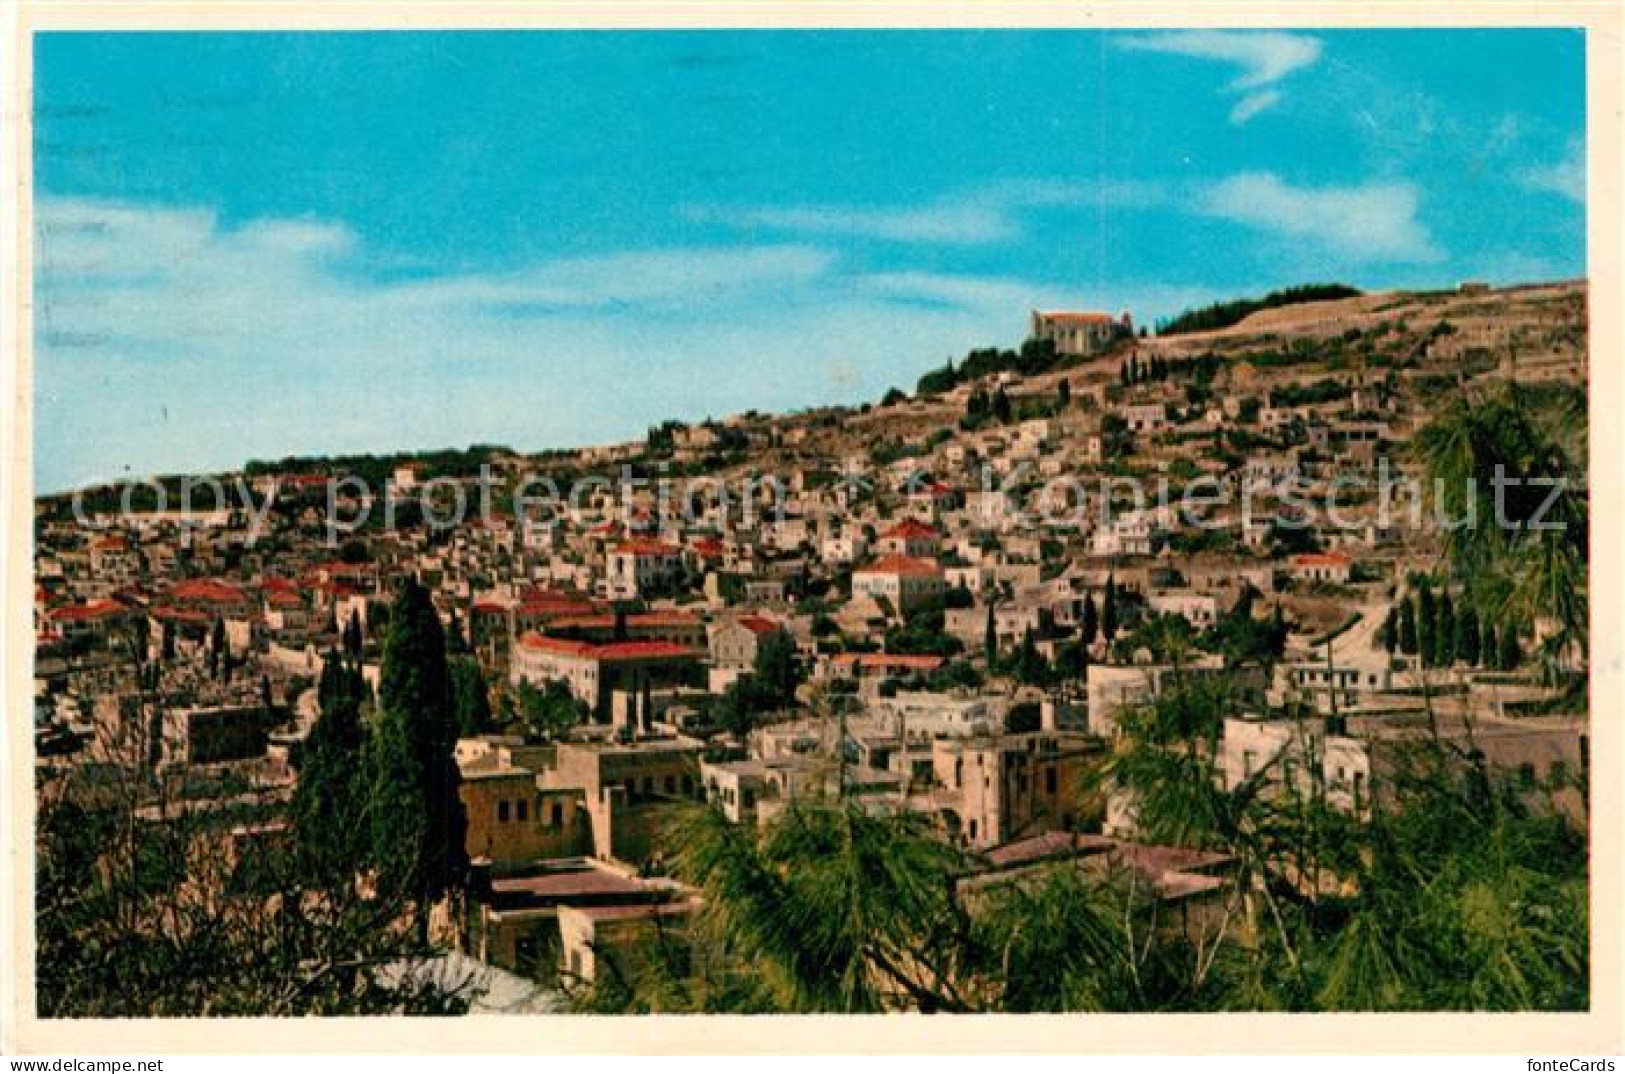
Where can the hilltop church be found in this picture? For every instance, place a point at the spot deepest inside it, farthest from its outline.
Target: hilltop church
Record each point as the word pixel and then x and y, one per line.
pixel 1082 334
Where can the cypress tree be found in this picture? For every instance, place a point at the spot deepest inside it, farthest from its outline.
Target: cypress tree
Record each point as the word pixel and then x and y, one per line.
pixel 1488 650
pixel 1089 629
pixel 1510 652
pixel 1001 407
pixel 1063 394
pixel 1467 635
pixel 1444 633
pixel 416 817
pixel 1108 611
pixel 990 639
pixel 470 700
pixel 1426 622
pixel 1407 626
pixel 1388 633
pixel 329 803
pixel 352 636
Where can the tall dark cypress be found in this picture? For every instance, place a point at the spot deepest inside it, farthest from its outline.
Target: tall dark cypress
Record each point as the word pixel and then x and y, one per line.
pixel 1444 632
pixel 329 802
pixel 416 816
pixel 990 638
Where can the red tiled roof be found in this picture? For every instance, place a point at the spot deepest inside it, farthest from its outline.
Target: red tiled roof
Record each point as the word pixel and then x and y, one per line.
pixel 1089 317
pixel 181 615
pixel 489 607
pixel 96 609
pixel 911 565
pixel 642 650
pixel 758 624
pixel 1047 845
pixel 208 591
pixel 563 646
pixel 911 529
pixel 642 619
pixel 609 652
pixel 1321 559
pixel 643 546
pixel 540 601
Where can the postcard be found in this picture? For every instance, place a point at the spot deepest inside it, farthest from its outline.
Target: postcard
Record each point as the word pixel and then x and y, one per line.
pixel 538 516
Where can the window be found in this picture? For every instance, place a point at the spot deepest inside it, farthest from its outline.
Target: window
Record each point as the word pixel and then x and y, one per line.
pixel 558 814
pixel 671 784
pixel 1526 775
pixel 524 810
pixel 1049 781
pixel 502 811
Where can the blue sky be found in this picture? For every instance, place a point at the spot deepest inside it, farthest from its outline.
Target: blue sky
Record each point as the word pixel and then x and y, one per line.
pixel 251 245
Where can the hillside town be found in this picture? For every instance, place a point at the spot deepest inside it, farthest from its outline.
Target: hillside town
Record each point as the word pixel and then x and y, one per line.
pixel 962 609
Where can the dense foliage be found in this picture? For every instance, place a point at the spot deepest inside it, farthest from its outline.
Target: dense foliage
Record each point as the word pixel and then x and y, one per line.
pixel 1225 314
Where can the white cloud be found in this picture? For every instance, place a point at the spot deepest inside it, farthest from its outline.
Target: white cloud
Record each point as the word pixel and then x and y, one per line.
pixel 1263 57
pixel 982 217
pixel 1370 223
pixel 1566 177
pixel 168 339
pixel 1252 104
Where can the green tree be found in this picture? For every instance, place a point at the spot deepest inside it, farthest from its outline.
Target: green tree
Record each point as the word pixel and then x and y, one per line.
pixel 470 697
pixel 1022 717
pixel 990 638
pixel 1001 406
pixel 1509 650
pixel 415 814
pixel 1388 633
pixel 832 909
pixel 776 670
pixel 329 809
pixel 1427 623
pixel 353 641
pixel 1466 646
pixel 1409 643
pixel 1444 634
pixel 1519 572
pixel 550 711
pixel 1108 610
pixel 1027 664
pixel 1489 645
